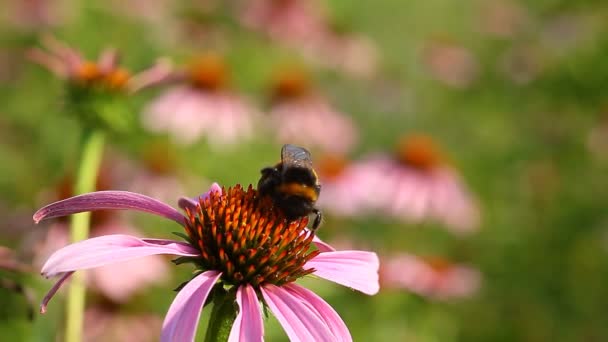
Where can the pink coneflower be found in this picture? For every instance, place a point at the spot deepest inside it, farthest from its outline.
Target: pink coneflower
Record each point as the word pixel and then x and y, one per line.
pixel 503 18
pixel 32 14
pixel 294 22
pixel 204 105
pixel 421 185
pixel 434 278
pixel 105 73
pixel 303 26
pixel 346 186
pixel 302 115
pixel 417 185
pixel 239 242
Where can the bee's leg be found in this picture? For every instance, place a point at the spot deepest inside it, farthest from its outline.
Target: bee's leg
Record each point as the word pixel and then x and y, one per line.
pixel 318 218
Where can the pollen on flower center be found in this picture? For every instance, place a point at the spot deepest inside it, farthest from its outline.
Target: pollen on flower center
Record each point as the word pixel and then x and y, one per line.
pixel 248 240
pixel 419 151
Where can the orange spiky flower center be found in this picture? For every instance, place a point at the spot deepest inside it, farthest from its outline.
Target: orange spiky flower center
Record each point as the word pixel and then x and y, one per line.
pixel 419 151
pixel 208 72
pixel 290 84
pixel 248 240
pixel 90 74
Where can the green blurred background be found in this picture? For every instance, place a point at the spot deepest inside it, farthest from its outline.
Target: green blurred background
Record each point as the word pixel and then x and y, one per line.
pixel 524 128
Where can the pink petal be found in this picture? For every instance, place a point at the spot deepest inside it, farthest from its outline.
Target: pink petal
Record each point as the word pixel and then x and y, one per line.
pixel 191 203
pixel 108 200
pixel 108 60
pixel 356 269
pixel 110 249
pixel 158 73
pixel 248 325
pixel 321 245
pixel 323 310
pixel 301 323
pixel 53 290
pixel 182 319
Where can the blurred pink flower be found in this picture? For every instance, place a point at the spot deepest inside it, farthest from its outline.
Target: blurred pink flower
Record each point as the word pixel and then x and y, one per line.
pixel 303 26
pixel 416 186
pixel 452 64
pixel 503 18
pixel 296 22
pixel 434 278
pixel 105 324
pixel 67 63
pixel 32 14
pixel 352 53
pixel 212 245
pixel 346 186
pixel 302 116
pixel 202 106
pixel 420 185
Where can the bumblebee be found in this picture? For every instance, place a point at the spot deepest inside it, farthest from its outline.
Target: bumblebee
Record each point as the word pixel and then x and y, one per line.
pixel 292 184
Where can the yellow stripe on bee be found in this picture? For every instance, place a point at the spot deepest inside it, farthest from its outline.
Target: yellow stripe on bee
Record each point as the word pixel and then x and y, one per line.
pixel 296 189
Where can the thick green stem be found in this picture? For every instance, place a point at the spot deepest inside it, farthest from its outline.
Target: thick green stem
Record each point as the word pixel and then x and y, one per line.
pixel 222 317
pixel 79 230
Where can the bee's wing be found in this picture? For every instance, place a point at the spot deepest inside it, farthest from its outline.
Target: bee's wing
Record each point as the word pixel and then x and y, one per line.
pixel 295 156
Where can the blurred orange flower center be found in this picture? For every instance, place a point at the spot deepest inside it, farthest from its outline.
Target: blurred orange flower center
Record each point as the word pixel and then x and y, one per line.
pixel 331 166
pixel 438 264
pixel 117 79
pixel 89 73
pixel 291 84
pixel 419 151
pixel 208 72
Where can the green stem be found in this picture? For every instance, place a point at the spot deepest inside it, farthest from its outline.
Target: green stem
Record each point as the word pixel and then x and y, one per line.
pixel 79 230
pixel 222 316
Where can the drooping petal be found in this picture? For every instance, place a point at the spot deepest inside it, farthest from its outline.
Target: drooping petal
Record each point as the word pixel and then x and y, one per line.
pixel 182 318
pixel 110 249
pixel 324 310
pixel 158 73
pixel 191 203
pixel 101 200
pixel 248 325
pixel 322 245
pixel 356 269
pixel 53 290
pixel 300 321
